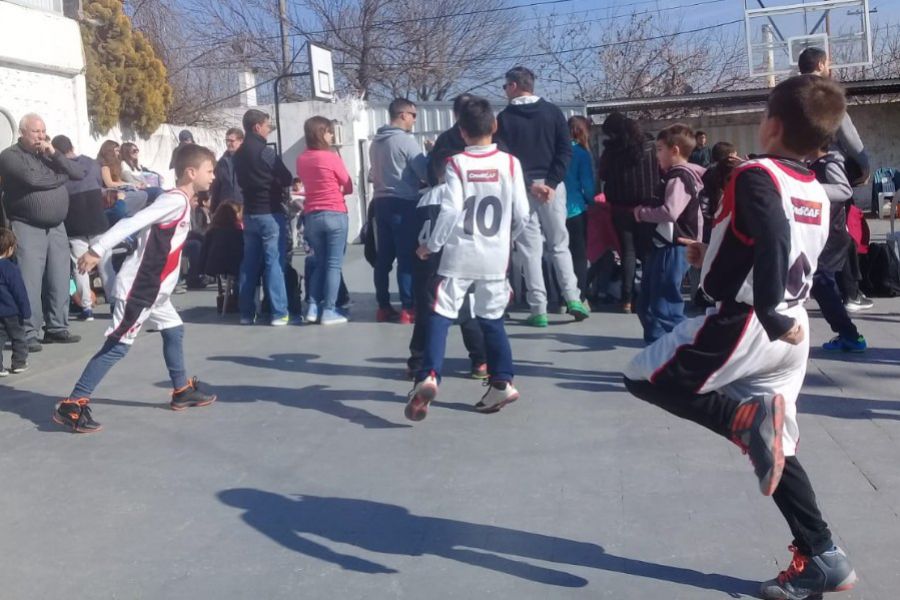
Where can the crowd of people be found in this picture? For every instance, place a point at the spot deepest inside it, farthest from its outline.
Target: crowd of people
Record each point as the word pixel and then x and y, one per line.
pixel 494 199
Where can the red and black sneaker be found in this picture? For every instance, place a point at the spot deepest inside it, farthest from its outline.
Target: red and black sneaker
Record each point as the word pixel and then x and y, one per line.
pixel 387 315
pixel 418 399
pixel 75 413
pixel 190 396
pixel 811 576
pixel 407 316
pixel 757 429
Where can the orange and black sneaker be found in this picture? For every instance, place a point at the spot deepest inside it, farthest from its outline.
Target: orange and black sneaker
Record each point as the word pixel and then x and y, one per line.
pixel 418 399
pixel 756 429
pixel 75 413
pixel 811 576
pixel 190 396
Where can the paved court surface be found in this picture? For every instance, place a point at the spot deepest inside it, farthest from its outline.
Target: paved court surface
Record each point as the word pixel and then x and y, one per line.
pixel 305 480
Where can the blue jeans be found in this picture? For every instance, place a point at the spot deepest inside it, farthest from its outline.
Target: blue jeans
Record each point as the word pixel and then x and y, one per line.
pixel 660 306
pixel 113 351
pixel 265 250
pixel 499 353
pixel 326 233
pixel 396 238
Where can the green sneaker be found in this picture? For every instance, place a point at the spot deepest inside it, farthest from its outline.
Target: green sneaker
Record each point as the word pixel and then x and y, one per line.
pixel 537 320
pixel 578 310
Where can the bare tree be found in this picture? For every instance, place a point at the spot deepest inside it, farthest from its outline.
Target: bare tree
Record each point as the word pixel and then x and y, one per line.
pixel 644 54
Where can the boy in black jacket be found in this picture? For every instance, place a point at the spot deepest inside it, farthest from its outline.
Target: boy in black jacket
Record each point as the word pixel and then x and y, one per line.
pixel 14 306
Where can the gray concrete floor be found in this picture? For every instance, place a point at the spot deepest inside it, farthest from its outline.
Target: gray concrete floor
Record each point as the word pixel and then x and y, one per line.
pixel 305 480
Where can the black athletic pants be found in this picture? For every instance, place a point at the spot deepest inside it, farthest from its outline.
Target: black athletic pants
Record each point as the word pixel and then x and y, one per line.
pixel 577 227
pixel 794 496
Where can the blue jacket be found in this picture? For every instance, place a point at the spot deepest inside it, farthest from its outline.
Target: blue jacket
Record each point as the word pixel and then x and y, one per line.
pixel 13 297
pixel 580 186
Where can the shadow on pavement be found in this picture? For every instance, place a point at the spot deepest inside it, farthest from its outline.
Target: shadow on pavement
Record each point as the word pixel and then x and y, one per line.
pixel 30 406
pixel 848 408
pixel 391 529
pixel 582 343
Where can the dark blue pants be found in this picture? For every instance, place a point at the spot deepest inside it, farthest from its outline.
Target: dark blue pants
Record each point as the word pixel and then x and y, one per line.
pixel 395 236
pixel 499 353
pixel 113 351
pixel 660 306
pixel 828 296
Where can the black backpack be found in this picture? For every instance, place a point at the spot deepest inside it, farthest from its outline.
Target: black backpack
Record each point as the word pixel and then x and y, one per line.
pixel 880 270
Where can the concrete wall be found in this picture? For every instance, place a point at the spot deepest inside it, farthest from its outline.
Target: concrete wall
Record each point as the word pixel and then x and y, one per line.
pixel 41 69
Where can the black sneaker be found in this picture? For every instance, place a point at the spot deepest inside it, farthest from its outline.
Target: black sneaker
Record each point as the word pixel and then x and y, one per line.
pixel 34 346
pixel 60 337
pixel 757 428
pixel 811 576
pixel 76 415
pixel 18 368
pixel 190 396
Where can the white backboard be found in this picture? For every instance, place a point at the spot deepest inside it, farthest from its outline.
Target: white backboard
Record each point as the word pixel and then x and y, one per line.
pixel 778 30
pixel 321 73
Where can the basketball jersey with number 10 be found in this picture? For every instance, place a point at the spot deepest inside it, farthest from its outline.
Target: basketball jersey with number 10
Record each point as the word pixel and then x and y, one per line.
pixel 487 188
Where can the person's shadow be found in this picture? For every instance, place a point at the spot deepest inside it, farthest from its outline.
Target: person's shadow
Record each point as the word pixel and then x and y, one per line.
pixel 390 529
pixel 581 343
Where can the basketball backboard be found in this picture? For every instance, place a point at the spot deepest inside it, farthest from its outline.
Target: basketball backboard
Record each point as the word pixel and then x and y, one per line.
pixel 321 73
pixel 779 30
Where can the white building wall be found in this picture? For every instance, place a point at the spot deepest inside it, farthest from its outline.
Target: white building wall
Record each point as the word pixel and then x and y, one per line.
pixel 42 70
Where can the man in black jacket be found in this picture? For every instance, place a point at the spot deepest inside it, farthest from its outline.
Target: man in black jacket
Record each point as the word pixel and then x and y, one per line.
pixel 225 188
pixel 262 178
pixel 535 131
pixel 34 176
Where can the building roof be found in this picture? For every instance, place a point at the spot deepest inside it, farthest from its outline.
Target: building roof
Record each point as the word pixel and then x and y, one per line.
pixel 730 98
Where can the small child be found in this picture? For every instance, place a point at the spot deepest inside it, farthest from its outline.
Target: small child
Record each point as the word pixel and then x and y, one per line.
pixel 14 305
pixel 223 250
pixel 144 286
pixel 738 370
pixel 660 306
pixel 830 172
pixel 484 207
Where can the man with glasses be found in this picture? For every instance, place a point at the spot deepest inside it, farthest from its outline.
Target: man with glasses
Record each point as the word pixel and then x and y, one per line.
pixel 535 131
pixel 225 188
pixel 397 171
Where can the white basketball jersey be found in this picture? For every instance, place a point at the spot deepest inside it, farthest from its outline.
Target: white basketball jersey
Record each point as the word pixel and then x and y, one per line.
pixel 483 209
pixel 806 208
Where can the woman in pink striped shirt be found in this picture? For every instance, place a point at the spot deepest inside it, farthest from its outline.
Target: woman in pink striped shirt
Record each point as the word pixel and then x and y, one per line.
pixel 325 221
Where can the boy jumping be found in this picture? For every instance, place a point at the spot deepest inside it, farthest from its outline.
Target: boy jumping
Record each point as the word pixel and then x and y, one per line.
pixel 483 209
pixel 143 285
pixel 738 370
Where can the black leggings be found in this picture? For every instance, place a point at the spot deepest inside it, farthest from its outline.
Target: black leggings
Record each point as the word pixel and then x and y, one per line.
pixel 794 496
pixel 627 230
pixel 577 227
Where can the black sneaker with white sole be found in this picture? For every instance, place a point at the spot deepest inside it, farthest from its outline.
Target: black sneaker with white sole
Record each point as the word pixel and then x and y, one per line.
pixel 811 576
pixel 861 302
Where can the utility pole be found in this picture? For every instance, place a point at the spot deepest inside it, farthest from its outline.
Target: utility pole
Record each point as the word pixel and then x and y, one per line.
pixel 282 24
pixel 769 39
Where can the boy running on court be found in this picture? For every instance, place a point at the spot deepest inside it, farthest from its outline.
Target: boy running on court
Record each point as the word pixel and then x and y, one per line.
pixel 738 370
pixel 483 209
pixel 144 284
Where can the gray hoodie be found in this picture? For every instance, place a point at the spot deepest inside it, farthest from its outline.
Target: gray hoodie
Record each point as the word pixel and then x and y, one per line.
pixel 397 165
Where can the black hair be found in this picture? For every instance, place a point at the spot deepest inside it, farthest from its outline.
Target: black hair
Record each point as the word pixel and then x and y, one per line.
pixel 62 144
pixel 254 117
pixel 721 150
pixel 523 77
pixel 398 106
pixel 810 109
pixel 810 59
pixel 476 118
pixel 459 101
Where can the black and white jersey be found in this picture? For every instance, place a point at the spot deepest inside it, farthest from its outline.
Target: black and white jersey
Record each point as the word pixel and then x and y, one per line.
pixel 768 234
pixel 484 207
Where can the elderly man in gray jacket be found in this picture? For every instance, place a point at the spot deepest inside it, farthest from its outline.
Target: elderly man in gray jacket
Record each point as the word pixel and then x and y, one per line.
pixel 34 175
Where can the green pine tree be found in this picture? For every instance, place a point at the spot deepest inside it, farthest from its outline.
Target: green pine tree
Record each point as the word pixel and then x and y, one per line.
pixel 126 82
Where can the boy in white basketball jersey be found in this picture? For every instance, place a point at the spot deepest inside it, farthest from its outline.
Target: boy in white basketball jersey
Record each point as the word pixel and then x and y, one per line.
pixel 738 369
pixel 483 209
pixel 143 287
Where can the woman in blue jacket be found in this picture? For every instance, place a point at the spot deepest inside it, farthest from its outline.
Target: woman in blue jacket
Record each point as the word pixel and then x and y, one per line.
pixel 580 190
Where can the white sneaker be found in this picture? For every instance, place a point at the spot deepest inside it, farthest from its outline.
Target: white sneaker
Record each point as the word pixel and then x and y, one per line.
pixel 246 321
pixel 420 397
pixel 497 397
pixel 332 317
pixel 280 322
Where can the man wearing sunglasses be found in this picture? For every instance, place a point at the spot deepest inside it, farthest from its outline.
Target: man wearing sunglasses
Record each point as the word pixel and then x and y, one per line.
pixel 397 172
pixel 535 131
